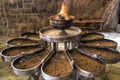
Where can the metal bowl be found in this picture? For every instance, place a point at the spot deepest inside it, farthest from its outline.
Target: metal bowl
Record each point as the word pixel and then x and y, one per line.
pixel 30 70
pixel 91 36
pixel 85 31
pixel 85 73
pixel 21 53
pixel 61 24
pixel 104 49
pixel 49 77
pixel 31 35
pixel 21 41
pixel 101 43
pixel 50 34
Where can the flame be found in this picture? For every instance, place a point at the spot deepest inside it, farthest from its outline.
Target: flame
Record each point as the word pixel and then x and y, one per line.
pixel 63 12
pixel 11 1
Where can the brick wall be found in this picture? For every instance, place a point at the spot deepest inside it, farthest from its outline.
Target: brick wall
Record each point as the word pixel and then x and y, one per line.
pixel 111 16
pixel 18 16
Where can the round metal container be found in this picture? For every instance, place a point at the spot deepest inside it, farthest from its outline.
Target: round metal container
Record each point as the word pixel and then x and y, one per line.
pixel 31 35
pixel 21 41
pixel 50 34
pixel 21 53
pixel 31 70
pixel 69 41
pixel 85 73
pixel 99 55
pixel 69 76
pixel 101 43
pixel 91 36
pixel 59 22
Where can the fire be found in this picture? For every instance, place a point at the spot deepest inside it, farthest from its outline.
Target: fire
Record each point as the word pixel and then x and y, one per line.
pixel 63 12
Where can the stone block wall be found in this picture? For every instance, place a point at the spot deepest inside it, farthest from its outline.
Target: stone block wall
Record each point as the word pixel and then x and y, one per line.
pixel 18 16
pixel 111 15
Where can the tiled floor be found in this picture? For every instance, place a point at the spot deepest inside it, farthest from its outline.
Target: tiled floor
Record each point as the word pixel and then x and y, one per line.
pixel 7 74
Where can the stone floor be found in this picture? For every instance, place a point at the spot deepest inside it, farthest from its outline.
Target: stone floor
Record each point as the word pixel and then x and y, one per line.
pixel 7 74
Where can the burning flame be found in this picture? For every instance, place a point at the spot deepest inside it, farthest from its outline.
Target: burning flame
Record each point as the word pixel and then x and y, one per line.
pixel 63 12
pixel 12 1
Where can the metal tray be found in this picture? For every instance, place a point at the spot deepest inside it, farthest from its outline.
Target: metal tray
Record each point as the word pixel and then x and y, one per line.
pixel 105 40
pixel 72 34
pixel 29 71
pixel 109 61
pixel 87 74
pixel 92 33
pixel 66 77
pixel 10 58
pixel 9 44
pixel 29 34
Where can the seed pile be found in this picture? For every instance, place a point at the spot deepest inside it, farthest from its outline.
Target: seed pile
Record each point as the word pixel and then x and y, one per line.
pixel 32 60
pixel 22 42
pixel 19 50
pixel 86 63
pixel 101 43
pixel 95 36
pixel 103 53
pixel 58 65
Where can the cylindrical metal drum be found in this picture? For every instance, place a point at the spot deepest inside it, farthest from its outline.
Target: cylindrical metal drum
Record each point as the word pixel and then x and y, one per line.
pixel 63 45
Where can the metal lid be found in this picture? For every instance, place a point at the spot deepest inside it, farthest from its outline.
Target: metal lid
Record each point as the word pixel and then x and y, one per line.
pixel 51 34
